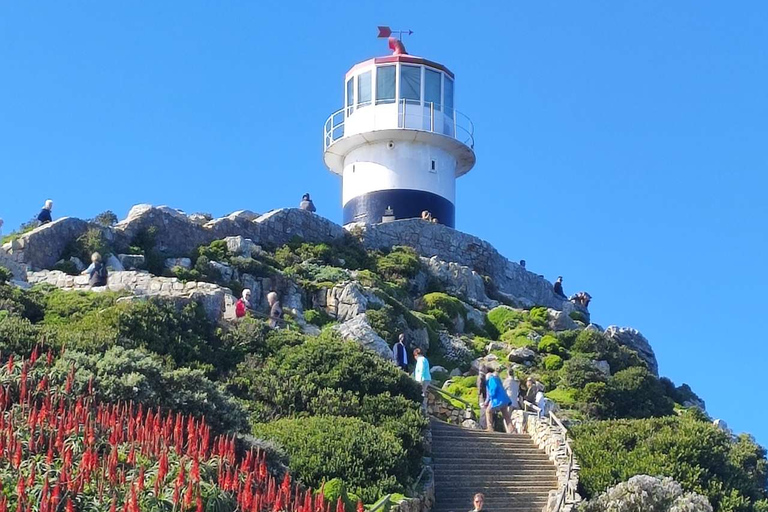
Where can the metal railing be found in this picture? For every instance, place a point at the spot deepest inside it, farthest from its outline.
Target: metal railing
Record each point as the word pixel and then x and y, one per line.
pixel 428 117
pixel 567 491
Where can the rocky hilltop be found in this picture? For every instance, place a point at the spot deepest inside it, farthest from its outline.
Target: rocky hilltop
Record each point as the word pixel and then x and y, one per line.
pixel 466 266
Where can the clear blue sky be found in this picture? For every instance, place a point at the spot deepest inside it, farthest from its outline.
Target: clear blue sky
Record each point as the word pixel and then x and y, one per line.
pixel 620 144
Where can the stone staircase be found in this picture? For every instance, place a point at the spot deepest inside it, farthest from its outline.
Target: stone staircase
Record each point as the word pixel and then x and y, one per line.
pixel 509 469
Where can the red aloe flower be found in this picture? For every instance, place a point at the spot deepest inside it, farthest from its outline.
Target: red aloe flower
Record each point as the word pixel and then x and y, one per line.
pixel 360 507
pixel 339 505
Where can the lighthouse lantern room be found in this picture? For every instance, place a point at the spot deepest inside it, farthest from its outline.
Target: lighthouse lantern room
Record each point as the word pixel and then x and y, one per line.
pixel 398 142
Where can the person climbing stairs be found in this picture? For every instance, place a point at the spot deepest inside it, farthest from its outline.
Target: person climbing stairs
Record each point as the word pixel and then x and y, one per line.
pixel 509 469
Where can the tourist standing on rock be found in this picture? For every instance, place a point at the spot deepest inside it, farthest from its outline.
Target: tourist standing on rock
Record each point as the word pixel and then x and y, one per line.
pixel 478 502
pixel 307 204
pixel 44 217
pixel 96 271
pixel 482 394
pixel 275 311
pixel 400 354
pixel 426 215
pixel 244 306
pixel 497 401
pixel 559 287
pixel 512 387
pixel 421 374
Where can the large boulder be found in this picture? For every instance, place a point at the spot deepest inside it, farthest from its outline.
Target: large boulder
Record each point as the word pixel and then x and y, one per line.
pixel 43 246
pixel 348 300
pixel 521 355
pixel 359 330
pixel 632 338
pixel 454 348
pixel 560 321
pixel 459 280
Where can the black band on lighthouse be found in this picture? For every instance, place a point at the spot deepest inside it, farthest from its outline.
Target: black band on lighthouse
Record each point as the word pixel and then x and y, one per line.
pixel 406 204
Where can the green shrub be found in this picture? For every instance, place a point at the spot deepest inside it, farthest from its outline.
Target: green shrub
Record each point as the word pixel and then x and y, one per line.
pixel 215 251
pixel 290 381
pixel 26 303
pixel 578 316
pixel 550 345
pixel 106 218
pixel 64 307
pixel 399 265
pixel 17 334
pixel 731 473
pixel 93 240
pixel 553 362
pixel 182 332
pixel 317 317
pixel 247 336
pixel 334 489
pixel 385 323
pixel 578 371
pixel 636 393
pixel 251 266
pixel 538 316
pixel 568 338
pixel 504 318
pixel 566 397
pixel 144 242
pixel 444 308
pixel 5 275
pixel 121 374
pixel 66 266
pixel 600 347
pixel 369 459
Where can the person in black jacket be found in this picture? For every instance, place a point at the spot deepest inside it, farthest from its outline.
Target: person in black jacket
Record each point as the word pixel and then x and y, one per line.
pixel 400 354
pixel 559 287
pixel 44 217
pixel 97 272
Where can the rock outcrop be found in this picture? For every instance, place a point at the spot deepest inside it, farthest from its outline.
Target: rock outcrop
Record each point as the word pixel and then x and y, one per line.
pixel 460 281
pixel 633 339
pixel 435 240
pixel 217 301
pixel 359 331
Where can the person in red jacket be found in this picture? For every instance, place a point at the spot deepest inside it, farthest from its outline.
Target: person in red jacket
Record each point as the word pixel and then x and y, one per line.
pixel 243 305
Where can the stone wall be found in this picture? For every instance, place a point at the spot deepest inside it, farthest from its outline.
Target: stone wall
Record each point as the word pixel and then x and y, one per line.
pixel 551 438
pixel 428 239
pixel 440 408
pixel 217 301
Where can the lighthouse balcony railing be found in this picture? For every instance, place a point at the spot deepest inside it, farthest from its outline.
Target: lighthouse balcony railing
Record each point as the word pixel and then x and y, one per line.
pixel 404 114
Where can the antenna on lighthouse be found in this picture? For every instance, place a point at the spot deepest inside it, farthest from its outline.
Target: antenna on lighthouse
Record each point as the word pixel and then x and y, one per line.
pixel 396 45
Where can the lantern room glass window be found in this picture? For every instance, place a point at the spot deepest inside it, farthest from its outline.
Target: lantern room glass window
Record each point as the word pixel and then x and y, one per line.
pixel 448 96
pixel 385 84
pixel 364 89
pixel 410 83
pixel 350 95
pixel 432 88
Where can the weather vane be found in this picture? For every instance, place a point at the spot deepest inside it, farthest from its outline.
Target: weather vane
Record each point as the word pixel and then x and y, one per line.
pixel 396 45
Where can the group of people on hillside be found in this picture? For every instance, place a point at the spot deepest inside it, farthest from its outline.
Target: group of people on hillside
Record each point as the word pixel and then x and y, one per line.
pixel 494 395
pixel 244 307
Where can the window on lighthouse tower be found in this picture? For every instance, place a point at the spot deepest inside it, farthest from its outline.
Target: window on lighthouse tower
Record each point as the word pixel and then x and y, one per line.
pixel 364 89
pixel 432 88
pixel 385 84
pixel 410 83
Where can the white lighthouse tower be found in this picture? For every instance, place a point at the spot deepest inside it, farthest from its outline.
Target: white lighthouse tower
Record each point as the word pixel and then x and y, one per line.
pixel 398 142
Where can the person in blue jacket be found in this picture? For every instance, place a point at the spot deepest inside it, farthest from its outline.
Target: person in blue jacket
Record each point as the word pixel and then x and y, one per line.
pixel 497 400
pixel 421 374
pixel 44 217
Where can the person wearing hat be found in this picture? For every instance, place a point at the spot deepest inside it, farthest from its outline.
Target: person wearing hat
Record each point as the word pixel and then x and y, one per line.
pixel 244 306
pixel 559 287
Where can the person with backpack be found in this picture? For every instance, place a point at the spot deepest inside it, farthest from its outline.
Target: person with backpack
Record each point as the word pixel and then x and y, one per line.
pixel 497 400
pixel 97 271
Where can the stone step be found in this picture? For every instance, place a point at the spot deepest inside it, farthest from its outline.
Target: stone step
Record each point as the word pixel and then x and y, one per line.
pixel 507 458
pixel 459 448
pixel 506 474
pixel 504 480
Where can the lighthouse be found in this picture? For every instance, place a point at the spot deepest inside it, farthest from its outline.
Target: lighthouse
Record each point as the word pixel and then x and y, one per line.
pixel 398 142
